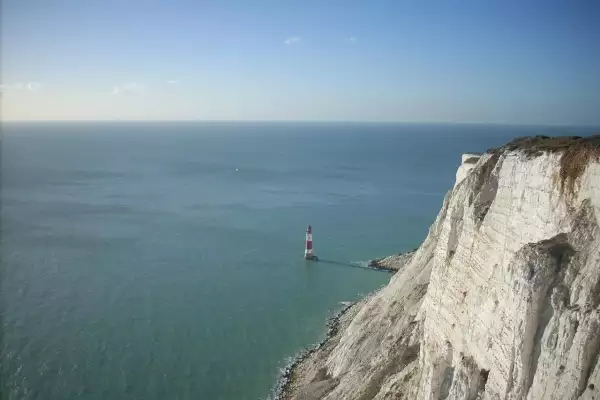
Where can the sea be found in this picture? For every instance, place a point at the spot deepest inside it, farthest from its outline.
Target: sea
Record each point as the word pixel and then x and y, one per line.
pixel 164 260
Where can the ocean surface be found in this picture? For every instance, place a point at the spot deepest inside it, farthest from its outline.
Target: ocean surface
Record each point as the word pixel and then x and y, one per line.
pixel 164 260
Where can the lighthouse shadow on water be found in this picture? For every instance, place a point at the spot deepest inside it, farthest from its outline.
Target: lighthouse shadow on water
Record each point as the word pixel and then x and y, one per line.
pixel 310 255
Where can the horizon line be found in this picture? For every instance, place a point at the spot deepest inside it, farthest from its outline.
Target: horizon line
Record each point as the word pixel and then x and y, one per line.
pixel 533 124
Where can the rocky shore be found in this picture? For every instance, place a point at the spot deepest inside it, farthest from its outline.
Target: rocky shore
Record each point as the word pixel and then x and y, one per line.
pixel 305 362
pixel 307 359
pixel 392 263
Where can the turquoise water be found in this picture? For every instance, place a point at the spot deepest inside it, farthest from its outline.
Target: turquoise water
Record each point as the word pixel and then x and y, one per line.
pixel 164 260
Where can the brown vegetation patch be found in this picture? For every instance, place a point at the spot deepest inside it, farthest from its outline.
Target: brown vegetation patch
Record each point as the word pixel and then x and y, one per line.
pixel 472 160
pixel 575 160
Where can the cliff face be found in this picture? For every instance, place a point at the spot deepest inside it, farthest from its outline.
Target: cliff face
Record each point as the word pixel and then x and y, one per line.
pixel 502 299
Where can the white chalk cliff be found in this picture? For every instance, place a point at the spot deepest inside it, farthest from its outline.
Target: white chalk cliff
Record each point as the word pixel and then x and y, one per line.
pixel 502 299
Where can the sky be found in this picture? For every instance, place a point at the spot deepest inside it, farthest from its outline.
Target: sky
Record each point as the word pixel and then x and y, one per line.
pixel 500 61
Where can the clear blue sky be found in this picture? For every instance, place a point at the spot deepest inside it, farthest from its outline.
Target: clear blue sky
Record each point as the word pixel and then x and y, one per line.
pixel 401 60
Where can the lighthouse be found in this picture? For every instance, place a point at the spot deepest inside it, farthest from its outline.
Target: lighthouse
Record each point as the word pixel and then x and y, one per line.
pixel 308 248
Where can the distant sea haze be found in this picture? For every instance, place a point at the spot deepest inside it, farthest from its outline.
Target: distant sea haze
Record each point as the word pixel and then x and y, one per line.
pixel 165 260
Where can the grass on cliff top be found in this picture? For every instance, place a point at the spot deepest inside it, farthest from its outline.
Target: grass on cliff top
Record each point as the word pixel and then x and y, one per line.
pixel 576 153
pixel 531 145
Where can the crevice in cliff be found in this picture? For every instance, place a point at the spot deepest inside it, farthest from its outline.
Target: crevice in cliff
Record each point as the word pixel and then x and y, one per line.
pixel 448 378
pixel 483 378
pixel 572 333
pixel 484 189
pixel 594 356
pixel 456 224
pixel 561 253
pixel 435 229
pixel 595 295
pixel 394 366
pixel 545 317
pixel 511 370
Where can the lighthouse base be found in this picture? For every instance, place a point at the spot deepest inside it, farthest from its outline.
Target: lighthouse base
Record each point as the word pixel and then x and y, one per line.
pixel 311 257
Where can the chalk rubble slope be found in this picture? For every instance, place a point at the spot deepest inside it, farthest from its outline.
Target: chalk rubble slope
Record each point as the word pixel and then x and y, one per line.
pixel 501 301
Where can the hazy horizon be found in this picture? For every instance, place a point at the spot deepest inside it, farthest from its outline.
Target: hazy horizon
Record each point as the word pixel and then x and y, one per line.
pixel 509 62
pixel 274 121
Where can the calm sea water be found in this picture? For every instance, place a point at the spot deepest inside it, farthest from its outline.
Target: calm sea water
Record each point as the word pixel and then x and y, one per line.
pixel 164 260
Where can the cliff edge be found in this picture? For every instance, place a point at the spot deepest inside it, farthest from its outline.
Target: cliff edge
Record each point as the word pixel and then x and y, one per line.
pixel 501 300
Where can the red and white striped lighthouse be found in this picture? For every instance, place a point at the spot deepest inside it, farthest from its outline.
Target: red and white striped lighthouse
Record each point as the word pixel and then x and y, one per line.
pixel 308 249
